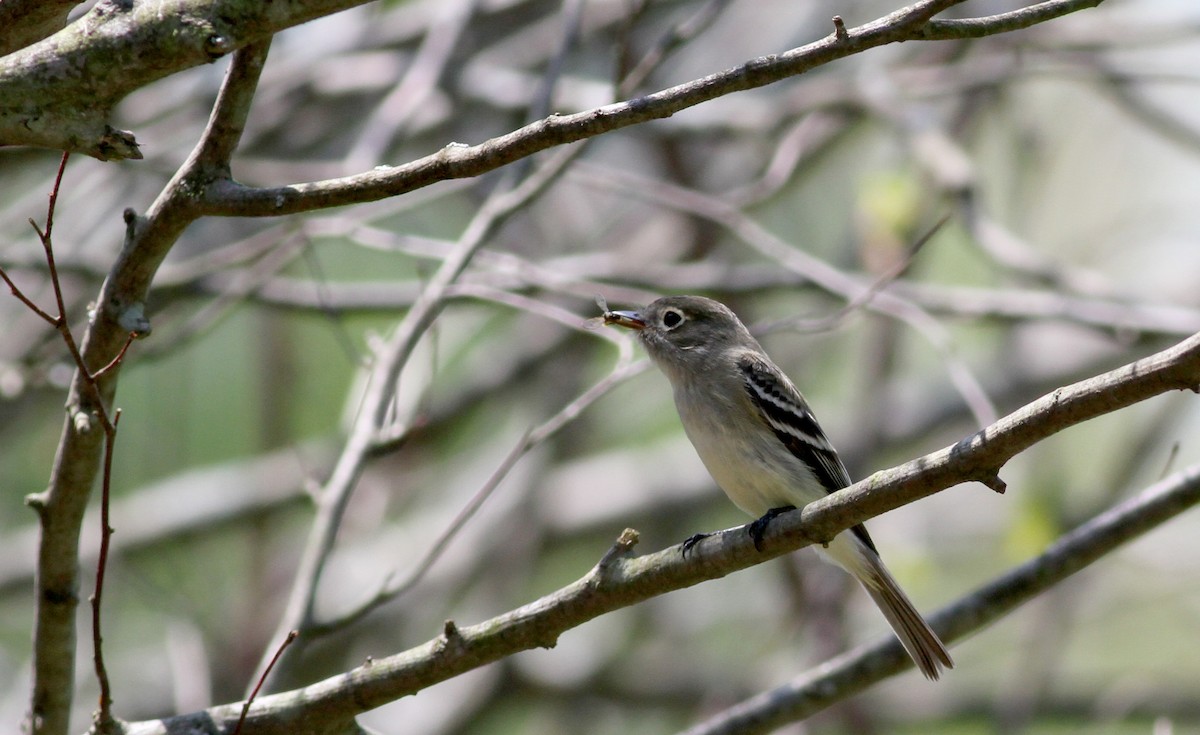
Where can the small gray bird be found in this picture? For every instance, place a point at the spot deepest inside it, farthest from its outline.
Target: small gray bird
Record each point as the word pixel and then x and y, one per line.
pixel 760 441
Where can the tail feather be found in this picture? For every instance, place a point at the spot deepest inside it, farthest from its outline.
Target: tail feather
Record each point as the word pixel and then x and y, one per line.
pixel 922 644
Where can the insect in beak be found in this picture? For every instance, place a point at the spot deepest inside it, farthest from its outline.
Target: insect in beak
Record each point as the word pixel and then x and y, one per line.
pixel 627 319
pixel 608 317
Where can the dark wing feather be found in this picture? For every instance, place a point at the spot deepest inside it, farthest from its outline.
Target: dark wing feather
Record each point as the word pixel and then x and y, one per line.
pixel 787 414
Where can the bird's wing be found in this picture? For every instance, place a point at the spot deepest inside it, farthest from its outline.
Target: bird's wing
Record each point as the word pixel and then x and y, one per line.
pixel 787 414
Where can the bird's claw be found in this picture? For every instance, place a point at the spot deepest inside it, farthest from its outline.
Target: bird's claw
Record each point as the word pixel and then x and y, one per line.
pixel 758 528
pixel 691 541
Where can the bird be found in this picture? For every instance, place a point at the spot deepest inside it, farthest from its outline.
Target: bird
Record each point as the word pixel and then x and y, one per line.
pixel 759 439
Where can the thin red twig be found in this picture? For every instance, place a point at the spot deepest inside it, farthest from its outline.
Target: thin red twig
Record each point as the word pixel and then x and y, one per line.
pixel 291 637
pixel 45 237
pixel 104 716
pixel 20 295
pixel 116 360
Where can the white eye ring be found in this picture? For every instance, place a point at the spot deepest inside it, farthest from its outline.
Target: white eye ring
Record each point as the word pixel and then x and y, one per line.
pixel 672 318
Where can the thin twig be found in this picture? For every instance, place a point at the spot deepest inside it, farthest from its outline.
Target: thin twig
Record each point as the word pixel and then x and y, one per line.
pixel 116 360
pixel 29 304
pixel 104 716
pixel 287 641
pixel 1014 20
pixel 46 236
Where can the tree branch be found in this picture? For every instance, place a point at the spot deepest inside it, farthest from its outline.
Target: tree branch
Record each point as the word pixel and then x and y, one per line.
pixel 229 198
pixel 116 49
pixel 195 501
pixel 624 580
pixel 1001 304
pixel 1015 20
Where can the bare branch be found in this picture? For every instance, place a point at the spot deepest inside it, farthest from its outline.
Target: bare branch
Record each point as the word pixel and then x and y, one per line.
pixel 189 503
pixel 376 404
pixel 48 671
pixel 1013 20
pixel 675 37
pixel 625 369
pixel 228 119
pixel 229 198
pixel 393 112
pixel 624 579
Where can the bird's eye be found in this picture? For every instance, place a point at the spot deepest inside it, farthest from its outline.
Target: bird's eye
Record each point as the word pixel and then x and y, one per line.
pixel 672 319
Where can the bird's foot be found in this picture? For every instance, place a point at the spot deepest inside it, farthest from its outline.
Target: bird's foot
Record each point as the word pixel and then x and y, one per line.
pixel 758 529
pixel 691 541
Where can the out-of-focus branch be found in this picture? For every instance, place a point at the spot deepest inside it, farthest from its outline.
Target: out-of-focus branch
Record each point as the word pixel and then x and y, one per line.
pixel 676 37
pixel 374 416
pixel 1001 304
pixel 246 282
pixel 621 579
pixel 625 369
pixel 813 269
pixel 395 110
pixel 1124 90
pixel 1033 304
pixel 856 670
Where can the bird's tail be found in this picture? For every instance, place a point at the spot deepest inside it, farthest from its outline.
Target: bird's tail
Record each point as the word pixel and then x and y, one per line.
pixel 922 644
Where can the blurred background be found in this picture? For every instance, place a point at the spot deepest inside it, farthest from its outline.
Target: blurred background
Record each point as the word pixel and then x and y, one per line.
pixel 1065 156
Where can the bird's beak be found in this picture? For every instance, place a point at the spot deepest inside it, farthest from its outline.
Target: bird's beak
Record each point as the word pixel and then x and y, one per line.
pixel 627 319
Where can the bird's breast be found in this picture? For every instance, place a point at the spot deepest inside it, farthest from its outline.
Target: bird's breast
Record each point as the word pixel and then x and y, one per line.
pixel 745 458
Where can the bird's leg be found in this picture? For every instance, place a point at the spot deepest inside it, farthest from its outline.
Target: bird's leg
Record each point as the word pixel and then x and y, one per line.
pixel 758 529
pixel 692 541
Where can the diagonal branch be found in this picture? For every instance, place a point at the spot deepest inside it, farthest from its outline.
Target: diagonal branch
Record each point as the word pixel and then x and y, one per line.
pixel 78 75
pixel 1014 20
pixel 622 579
pixel 229 198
